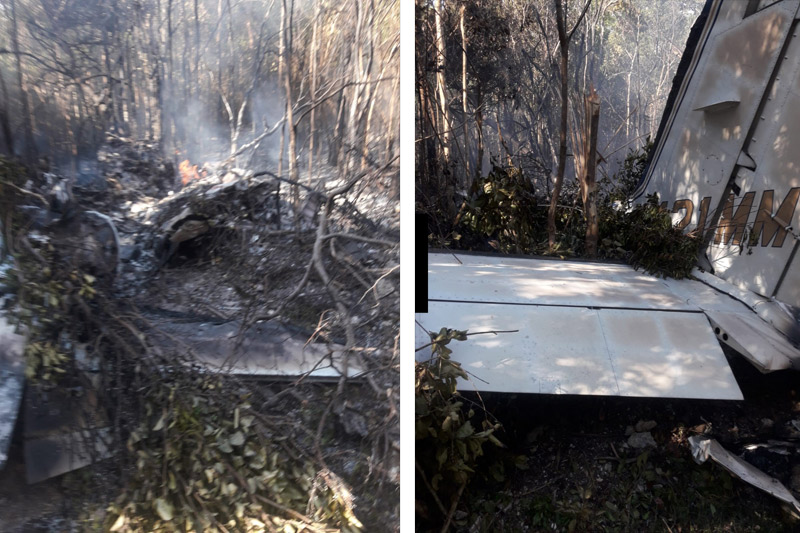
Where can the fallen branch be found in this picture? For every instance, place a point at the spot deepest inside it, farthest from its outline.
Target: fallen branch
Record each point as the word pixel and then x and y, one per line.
pixel 356 237
pixel 374 285
pixel 495 332
pixel 255 141
pixel 430 488
pixel 453 508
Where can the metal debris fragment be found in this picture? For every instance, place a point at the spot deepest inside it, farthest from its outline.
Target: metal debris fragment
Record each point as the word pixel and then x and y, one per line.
pixel 12 375
pixel 703 448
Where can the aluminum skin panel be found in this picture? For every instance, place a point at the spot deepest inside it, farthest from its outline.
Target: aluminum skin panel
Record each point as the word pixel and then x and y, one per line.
pixel 737 117
pixel 774 186
pixel 499 279
pixel 568 350
pixel 12 378
pixel 697 155
pixel 267 349
pixel 767 349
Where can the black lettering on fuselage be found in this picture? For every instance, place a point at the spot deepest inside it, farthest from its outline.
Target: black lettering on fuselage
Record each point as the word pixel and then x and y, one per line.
pixel 772 226
pixel 768 226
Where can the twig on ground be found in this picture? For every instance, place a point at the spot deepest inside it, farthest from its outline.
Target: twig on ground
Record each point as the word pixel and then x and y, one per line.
pixel 427 484
pixel 452 511
pixel 493 332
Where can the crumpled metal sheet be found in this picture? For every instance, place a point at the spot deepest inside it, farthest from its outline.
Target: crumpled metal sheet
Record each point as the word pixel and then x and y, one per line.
pixel 12 377
pixel 58 454
pixel 265 349
pixel 703 448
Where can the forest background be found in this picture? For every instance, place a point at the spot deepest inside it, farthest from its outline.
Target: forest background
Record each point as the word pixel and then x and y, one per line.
pixel 504 83
pixel 204 78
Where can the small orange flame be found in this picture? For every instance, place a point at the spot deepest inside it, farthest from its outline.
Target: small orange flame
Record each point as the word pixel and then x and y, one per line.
pixel 188 172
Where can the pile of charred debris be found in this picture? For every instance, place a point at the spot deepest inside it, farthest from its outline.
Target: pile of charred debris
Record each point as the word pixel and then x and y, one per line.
pixel 218 346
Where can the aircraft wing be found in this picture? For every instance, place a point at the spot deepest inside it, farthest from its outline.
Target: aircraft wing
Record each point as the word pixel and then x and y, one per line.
pixel 585 328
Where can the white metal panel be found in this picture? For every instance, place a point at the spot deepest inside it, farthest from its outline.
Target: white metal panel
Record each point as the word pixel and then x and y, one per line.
pixel 565 350
pixel 658 354
pixel 58 454
pixel 499 279
pixel 556 351
pixel 704 297
pixel 732 299
pixel 774 148
pixel 790 288
pixel 699 149
pixel 739 103
pixel 12 379
pixel 265 349
pixel 756 340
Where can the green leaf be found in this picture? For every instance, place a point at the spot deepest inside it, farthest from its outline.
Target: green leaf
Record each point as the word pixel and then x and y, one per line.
pixel 441 457
pixel 611 507
pixel 119 523
pixel 448 422
pixel 465 431
pixel 237 439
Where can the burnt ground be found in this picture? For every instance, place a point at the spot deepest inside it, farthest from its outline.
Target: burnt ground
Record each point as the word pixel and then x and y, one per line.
pixel 245 268
pixel 568 466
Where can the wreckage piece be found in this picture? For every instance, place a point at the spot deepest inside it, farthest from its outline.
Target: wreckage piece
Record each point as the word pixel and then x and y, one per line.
pixel 751 325
pixel 266 349
pixel 58 454
pixel 57 437
pixel 180 228
pixel 12 378
pixel 584 328
pixel 574 350
pixel 88 241
pixel 516 285
pixel 64 429
pixel 703 448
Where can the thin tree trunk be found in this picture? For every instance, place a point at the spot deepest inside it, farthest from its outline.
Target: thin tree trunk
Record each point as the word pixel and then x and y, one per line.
pixel 357 72
pixel 562 134
pixel 467 173
pixel 312 119
pixel 196 46
pixel 441 63
pixel 589 182
pixel 563 39
pixel 479 129
pixel 500 137
pixel 169 85
pixel 29 153
pixel 390 137
pixel 5 125
pixel 281 66
pixel 370 90
pixel 287 73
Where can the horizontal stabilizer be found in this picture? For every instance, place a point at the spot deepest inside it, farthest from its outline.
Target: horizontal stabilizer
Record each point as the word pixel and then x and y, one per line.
pixel 592 328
